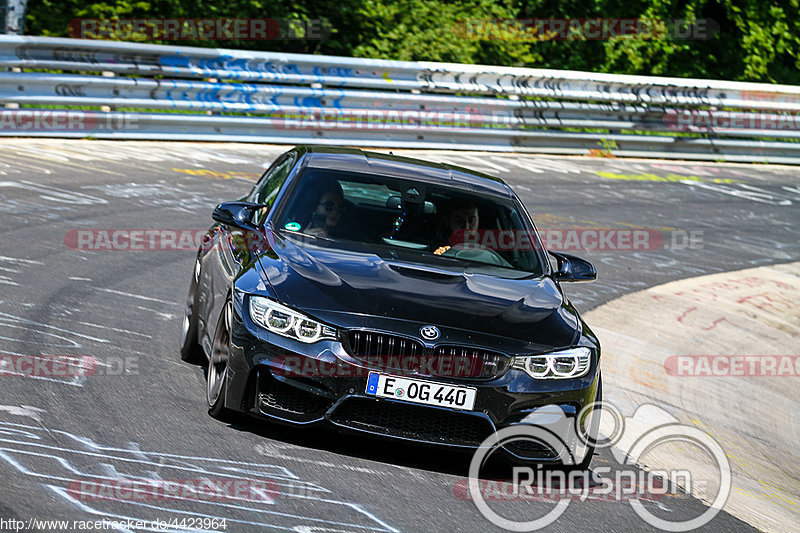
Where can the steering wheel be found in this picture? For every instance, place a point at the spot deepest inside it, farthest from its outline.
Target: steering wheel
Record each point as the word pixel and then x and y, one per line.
pixel 481 255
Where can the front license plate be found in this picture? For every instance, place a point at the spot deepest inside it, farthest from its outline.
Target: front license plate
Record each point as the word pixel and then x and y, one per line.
pixel 419 391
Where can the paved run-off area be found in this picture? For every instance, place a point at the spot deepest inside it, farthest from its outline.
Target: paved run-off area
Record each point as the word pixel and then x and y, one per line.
pixel 721 352
pixel 146 417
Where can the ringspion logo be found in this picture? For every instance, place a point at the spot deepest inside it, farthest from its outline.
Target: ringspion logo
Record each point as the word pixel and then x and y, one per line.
pixel 547 430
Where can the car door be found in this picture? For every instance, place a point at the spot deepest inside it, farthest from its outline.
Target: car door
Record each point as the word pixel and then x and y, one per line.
pixel 232 249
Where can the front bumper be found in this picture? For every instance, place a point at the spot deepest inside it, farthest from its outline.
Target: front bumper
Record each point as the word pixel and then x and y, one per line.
pixel 263 383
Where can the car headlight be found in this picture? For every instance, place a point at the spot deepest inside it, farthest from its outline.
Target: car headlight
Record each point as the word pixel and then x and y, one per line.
pixel 565 364
pixel 279 319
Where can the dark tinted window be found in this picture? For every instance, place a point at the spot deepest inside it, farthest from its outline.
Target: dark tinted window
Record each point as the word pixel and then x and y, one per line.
pixel 270 183
pixel 439 224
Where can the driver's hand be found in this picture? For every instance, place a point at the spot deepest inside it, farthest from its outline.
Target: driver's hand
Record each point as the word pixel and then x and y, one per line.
pixel 441 250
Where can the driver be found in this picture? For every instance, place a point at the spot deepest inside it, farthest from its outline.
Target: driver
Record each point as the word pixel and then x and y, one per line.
pixel 459 218
pixel 328 212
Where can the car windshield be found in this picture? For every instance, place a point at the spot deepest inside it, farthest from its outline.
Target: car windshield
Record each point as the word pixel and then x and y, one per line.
pixel 411 220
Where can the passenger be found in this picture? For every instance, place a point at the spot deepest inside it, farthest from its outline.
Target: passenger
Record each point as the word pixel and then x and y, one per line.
pixel 458 219
pixel 328 212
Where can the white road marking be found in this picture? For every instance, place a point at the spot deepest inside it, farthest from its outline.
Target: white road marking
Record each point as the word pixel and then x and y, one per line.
pixel 120 330
pixel 271 450
pixel 21 261
pixel 486 162
pixel 459 160
pixel 163 316
pixel 40 454
pixel 138 296
pixel 55 194
pixel 24 163
pixel 16 320
pixel 525 164
pixel 23 410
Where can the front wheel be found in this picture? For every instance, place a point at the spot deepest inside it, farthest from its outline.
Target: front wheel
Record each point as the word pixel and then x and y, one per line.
pixel 217 372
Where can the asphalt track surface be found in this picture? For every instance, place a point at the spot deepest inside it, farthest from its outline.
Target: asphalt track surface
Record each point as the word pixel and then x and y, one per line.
pixel 150 421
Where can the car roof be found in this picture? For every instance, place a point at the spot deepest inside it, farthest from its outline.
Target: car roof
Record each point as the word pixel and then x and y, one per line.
pixel 356 160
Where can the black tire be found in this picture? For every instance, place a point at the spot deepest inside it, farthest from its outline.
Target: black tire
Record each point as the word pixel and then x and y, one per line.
pixel 217 370
pixel 191 352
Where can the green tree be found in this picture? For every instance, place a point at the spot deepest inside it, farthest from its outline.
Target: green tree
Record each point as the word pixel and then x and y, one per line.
pixel 754 40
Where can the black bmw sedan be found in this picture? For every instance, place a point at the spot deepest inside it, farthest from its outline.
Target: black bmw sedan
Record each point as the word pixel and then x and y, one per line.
pixel 388 296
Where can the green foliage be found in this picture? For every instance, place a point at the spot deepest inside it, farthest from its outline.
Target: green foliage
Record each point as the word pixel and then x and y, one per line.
pixel 755 40
pixel 433 31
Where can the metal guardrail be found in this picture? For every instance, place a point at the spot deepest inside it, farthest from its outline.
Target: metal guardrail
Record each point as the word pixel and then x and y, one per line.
pixel 185 93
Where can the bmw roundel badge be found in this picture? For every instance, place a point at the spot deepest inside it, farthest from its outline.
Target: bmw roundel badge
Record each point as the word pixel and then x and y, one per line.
pixel 429 332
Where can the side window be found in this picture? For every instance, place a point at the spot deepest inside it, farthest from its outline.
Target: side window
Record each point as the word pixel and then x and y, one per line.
pixel 366 193
pixel 270 183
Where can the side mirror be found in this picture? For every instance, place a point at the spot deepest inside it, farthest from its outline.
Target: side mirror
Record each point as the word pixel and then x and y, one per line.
pixel 571 268
pixel 236 214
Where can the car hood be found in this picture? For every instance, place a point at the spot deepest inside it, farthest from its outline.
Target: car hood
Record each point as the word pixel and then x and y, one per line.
pixel 324 279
